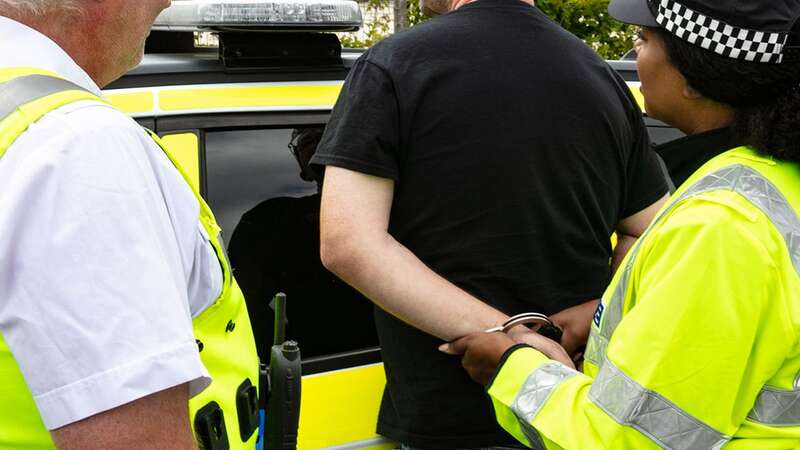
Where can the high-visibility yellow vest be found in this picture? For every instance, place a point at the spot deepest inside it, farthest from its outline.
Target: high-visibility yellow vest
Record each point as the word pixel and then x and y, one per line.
pixel 696 343
pixel 227 410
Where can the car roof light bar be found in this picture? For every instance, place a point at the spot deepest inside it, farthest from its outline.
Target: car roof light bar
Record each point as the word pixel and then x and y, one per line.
pixel 260 15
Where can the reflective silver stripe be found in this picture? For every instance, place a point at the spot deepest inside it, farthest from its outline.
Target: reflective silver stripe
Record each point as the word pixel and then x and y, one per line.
pixel 774 406
pixel 725 178
pixel 25 89
pixel 777 407
pixel 534 393
pixel 653 415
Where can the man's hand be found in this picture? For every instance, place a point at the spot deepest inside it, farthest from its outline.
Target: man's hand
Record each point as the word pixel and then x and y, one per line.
pixel 576 323
pixel 482 353
pixel 552 349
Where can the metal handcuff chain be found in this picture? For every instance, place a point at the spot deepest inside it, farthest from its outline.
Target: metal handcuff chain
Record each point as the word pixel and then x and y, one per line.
pixel 548 329
pixel 530 318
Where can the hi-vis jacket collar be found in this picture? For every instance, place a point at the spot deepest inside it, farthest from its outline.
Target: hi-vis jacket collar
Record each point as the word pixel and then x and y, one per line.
pixel 757 31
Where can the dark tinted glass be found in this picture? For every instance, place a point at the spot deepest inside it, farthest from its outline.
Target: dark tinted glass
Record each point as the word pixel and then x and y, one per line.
pixel 246 167
pixel 270 219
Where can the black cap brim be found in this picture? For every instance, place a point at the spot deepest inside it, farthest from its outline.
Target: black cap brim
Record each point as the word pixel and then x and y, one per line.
pixel 636 12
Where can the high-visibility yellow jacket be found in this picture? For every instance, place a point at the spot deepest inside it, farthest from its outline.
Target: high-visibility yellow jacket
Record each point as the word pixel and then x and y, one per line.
pixel 695 344
pixel 226 412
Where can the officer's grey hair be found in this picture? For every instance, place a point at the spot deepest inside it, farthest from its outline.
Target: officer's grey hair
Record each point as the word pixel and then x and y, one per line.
pixel 39 7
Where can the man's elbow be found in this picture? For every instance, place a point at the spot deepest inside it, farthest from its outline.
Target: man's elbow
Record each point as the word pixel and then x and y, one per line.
pixel 337 252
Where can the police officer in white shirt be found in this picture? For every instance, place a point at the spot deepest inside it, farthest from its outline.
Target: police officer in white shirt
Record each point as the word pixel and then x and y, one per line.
pixel 104 262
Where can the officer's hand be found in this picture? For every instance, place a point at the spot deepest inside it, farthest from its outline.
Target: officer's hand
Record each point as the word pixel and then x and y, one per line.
pixel 553 350
pixel 482 353
pixel 576 323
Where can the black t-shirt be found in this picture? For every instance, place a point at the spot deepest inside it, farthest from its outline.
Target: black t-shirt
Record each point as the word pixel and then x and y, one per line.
pixel 685 155
pixel 515 150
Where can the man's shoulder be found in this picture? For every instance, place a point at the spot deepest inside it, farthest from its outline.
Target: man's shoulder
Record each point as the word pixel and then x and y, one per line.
pixel 417 42
pixel 399 45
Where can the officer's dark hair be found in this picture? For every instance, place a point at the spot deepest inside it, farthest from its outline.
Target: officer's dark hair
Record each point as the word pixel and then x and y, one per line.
pixel 303 145
pixel 766 97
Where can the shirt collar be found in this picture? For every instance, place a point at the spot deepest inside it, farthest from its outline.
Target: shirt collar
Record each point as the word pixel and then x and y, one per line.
pixel 22 46
pixel 685 155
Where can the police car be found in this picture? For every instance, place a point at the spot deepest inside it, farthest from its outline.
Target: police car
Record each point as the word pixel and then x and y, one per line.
pixel 231 114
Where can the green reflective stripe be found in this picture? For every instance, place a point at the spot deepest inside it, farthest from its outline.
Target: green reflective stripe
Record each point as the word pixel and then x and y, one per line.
pixel 630 404
pixel 534 394
pixel 773 406
pixel 23 90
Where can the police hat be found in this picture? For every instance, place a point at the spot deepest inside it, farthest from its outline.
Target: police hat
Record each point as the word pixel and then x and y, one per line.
pixel 750 30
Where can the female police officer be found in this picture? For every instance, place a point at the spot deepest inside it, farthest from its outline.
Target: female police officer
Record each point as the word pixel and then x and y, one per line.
pixel 696 344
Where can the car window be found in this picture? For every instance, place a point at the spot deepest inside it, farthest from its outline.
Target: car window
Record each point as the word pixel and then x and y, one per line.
pixel 270 220
pixel 246 167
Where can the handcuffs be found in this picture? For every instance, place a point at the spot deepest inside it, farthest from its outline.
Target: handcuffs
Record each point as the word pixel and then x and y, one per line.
pixel 548 329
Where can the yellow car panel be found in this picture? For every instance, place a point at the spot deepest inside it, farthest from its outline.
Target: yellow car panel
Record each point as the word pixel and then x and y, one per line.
pixel 185 147
pixel 637 94
pixel 134 102
pixel 278 95
pixel 341 407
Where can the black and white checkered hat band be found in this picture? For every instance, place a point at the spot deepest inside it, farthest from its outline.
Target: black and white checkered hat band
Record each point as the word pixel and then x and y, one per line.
pixel 719 37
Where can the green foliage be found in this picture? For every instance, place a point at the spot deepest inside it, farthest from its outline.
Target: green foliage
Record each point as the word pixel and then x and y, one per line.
pixel 587 19
pixel 415 15
pixel 377 25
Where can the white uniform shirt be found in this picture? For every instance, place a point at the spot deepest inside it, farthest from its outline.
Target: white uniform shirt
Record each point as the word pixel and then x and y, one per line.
pixel 103 261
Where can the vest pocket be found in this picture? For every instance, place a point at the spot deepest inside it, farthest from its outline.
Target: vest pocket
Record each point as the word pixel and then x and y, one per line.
pixel 247 409
pixel 209 425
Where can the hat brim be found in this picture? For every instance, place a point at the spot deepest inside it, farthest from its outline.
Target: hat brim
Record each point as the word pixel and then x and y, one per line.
pixel 635 12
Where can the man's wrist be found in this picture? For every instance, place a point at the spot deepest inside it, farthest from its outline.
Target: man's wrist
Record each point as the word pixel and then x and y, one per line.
pixel 518 330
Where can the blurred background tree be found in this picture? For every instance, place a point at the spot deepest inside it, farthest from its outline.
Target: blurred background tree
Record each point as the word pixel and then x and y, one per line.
pixel 587 19
pixel 378 15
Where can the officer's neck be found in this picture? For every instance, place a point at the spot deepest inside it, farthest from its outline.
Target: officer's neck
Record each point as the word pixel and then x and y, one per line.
pixel 84 42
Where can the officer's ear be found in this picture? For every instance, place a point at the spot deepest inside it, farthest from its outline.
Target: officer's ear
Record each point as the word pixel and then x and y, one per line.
pixel 691 93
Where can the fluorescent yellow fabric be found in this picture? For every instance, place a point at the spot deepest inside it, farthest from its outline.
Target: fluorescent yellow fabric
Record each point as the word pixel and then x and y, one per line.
pixel 228 352
pixel 711 315
pixel 18 121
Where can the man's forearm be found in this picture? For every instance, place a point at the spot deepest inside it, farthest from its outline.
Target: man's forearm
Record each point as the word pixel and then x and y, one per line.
pixel 631 228
pixel 624 244
pixel 356 245
pixel 396 280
